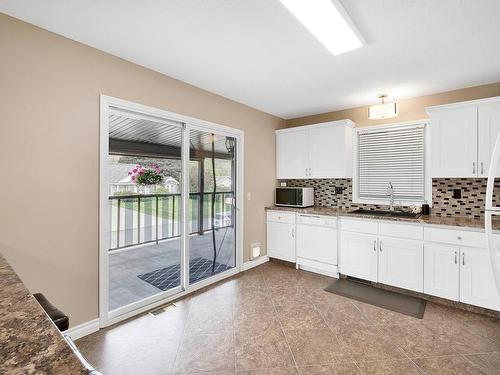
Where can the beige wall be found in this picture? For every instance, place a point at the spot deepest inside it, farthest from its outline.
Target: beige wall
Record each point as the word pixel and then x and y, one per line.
pixel 409 109
pixel 49 148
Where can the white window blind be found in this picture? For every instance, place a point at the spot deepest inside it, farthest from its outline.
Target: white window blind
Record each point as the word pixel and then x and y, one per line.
pixel 394 156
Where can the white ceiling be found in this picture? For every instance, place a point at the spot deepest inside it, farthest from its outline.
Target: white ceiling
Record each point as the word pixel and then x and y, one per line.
pixel 257 53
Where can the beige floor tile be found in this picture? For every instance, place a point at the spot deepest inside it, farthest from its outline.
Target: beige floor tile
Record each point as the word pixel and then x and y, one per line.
pixel 452 365
pixel 210 320
pixel 334 369
pixel 389 367
pixel 338 315
pixel 315 347
pixel 489 363
pixel 271 371
pixel 262 348
pixel 463 339
pixel 368 343
pixel 299 316
pixel 214 352
pixel 418 340
pixel 288 294
pixel 489 328
pixel 151 355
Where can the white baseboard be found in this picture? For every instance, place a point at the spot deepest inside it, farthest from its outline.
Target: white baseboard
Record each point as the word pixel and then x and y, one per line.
pixel 83 329
pixel 254 263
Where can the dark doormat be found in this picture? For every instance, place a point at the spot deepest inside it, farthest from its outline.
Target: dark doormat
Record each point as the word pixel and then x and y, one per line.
pixel 170 277
pixel 397 302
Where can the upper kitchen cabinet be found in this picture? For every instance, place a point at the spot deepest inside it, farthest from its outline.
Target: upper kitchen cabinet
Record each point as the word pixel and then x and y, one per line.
pixel 315 151
pixel 462 137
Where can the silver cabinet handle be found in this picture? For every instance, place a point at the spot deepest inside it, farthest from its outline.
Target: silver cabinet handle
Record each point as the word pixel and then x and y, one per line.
pixel 380 246
pixel 374 245
pixel 306 171
pixel 455 257
pixel 293 232
pixel 473 167
pixel 482 168
pixel 463 258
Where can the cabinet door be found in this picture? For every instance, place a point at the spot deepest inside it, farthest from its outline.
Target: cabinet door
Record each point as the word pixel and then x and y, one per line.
pixel 477 286
pixel 281 241
pixel 401 263
pixel 488 129
pixel 441 270
pixel 454 142
pixel 330 151
pixel 292 154
pixel 359 255
pixel 317 243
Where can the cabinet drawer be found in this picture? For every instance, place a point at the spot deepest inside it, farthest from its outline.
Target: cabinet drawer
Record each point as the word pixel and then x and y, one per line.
pixel 361 226
pixel 319 220
pixel 281 217
pixel 409 231
pixel 455 237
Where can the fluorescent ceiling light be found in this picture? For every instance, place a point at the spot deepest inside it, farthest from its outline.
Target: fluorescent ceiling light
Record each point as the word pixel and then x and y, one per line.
pixel 328 21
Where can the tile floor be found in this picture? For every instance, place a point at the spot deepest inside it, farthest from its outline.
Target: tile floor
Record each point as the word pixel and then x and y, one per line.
pixel 275 320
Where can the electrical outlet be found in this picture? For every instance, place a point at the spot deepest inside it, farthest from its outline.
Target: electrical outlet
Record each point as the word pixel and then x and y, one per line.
pixel 339 189
pixel 457 193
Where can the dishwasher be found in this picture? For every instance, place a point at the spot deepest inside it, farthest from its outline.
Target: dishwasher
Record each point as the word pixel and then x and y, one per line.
pixel 316 244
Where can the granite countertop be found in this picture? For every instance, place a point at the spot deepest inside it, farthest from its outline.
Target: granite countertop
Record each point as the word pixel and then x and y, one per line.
pixel 455 221
pixel 29 342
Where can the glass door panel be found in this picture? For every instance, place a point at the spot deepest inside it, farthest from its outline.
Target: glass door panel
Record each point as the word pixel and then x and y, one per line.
pixel 144 177
pixel 212 245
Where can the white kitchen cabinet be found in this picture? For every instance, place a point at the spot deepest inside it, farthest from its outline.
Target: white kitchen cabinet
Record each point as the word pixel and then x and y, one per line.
pixel 359 255
pixel 488 129
pixel 454 142
pixel 292 148
pixel 462 137
pixel 401 263
pixel 330 151
pixel 441 271
pixel 477 286
pixel 317 243
pixel 315 151
pixel 281 235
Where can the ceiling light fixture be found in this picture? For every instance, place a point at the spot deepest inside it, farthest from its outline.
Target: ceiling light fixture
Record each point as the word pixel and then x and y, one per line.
pixel 328 21
pixel 383 110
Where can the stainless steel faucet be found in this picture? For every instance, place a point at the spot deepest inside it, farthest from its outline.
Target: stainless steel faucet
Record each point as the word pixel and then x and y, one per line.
pixel 390 194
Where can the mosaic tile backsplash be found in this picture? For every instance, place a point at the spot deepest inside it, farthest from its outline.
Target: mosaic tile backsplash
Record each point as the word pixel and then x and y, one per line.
pixel 472 191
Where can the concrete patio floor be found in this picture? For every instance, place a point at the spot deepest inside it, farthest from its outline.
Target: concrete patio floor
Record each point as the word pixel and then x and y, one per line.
pixel 124 267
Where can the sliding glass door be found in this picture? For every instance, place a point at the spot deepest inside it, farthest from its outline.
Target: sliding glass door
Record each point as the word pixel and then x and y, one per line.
pixel 168 207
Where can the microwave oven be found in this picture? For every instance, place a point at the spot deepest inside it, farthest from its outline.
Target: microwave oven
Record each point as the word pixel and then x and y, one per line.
pixel 294 196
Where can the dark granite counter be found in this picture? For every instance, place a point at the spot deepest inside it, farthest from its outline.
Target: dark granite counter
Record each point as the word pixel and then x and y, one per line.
pixel 455 221
pixel 29 342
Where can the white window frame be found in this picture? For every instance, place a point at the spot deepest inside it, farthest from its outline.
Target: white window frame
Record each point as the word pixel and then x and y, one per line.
pixel 427 177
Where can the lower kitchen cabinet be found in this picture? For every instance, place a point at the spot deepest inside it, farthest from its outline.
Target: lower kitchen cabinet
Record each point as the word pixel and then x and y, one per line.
pixel 477 286
pixel 281 241
pixel 358 255
pixel 461 274
pixel 441 271
pixel 400 263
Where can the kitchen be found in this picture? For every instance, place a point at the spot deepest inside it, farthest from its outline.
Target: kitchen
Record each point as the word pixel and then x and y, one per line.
pixel 266 187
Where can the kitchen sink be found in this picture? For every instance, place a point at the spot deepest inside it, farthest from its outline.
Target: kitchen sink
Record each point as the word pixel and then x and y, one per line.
pixel 387 213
